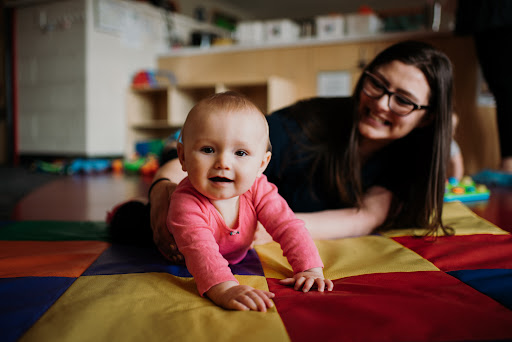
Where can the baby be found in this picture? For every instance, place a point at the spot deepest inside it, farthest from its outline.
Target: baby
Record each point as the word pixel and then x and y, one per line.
pixel 214 211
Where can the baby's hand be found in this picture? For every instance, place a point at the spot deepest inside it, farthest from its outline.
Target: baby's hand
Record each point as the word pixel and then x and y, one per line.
pixel 230 295
pixel 307 279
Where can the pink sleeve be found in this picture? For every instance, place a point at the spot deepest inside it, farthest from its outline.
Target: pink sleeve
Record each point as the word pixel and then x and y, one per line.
pixel 189 222
pixel 280 221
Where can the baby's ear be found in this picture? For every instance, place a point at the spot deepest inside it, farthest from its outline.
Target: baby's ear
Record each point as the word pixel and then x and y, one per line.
pixel 264 162
pixel 181 156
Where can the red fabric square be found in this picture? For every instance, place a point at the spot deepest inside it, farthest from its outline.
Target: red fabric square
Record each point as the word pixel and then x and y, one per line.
pixel 406 306
pixel 465 252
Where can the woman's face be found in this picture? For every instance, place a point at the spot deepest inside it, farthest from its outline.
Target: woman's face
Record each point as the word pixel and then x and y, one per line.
pixel 377 122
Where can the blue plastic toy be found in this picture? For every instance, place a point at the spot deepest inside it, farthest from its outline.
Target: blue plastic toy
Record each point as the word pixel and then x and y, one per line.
pixel 492 177
pixel 88 166
pixel 465 191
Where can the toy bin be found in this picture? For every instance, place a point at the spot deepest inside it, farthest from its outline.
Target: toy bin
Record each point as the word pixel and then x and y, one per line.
pixel 363 24
pixel 250 32
pixel 330 27
pixel 281 31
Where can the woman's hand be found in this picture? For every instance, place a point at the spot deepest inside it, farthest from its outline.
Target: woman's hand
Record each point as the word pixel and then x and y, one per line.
pixel 159 206
pixel 159 200
pixel 230 295
pixel 307 279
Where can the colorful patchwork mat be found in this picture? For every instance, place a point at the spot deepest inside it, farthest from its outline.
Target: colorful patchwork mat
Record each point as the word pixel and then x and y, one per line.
pixel 64 281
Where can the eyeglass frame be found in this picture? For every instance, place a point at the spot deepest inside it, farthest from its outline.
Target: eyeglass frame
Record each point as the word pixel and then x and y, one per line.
pixel 390 93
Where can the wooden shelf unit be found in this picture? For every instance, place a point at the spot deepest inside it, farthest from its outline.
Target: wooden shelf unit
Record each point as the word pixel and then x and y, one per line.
pixel 155 113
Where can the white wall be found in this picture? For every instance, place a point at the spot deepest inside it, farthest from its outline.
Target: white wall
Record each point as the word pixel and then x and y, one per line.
pixel 76 59
pixel 51 78
pixel 112 58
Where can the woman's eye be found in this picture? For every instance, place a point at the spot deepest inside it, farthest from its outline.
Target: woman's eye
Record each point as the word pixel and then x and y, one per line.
pixel 241 153
pixel 402 101
pixel 376 84
pixel 207 150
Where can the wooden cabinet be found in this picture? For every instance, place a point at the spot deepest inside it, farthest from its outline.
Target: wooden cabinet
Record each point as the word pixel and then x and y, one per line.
pixel 155 113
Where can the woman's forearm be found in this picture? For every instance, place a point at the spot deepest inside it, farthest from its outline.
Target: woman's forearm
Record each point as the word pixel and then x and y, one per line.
pixel 159 199
pixel 350 222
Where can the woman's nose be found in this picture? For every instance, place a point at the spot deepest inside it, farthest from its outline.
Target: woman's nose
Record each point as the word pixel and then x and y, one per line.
pixel 383 102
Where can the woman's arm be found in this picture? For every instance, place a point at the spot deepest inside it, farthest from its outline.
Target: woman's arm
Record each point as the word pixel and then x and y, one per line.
pixel 159 199
pixel 341 223
pixel 349 222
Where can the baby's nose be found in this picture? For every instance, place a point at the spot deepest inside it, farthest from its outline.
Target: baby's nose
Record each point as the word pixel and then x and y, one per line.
pixel 223 161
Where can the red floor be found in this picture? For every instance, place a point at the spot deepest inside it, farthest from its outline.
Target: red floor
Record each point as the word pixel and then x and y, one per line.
pixel 498 209
pixel 89 198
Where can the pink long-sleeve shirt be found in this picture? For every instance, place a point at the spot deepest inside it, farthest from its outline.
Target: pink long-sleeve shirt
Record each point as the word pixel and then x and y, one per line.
pixel 209 245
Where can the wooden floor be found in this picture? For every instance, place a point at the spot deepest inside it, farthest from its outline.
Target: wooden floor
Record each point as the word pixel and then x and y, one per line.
pixel 89 198
pixel 80 198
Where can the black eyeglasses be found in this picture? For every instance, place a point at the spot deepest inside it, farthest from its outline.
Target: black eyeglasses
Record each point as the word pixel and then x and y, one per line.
pixel 398 104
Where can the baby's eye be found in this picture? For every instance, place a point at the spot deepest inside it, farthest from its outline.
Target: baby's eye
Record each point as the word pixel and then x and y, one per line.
pixel 207 149
pixel 241 153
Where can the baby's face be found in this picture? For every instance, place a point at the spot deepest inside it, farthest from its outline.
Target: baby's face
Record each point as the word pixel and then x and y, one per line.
pixel 224 152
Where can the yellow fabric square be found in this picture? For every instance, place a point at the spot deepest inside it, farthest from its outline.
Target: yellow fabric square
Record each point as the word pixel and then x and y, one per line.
pixel 349 257
pixel 150 307
pixel 460 218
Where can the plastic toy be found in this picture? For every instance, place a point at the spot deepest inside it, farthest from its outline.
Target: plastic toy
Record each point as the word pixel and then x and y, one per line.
pixel 57 167
pixel 133 165
pixel 144 148
pixel 117 166
pixel 150 166
pixel 153 79
pixel 88 166
pixel 465 191
pixel 492 177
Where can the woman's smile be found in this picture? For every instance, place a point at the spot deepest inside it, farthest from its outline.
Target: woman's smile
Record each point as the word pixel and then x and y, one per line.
pixel 378 119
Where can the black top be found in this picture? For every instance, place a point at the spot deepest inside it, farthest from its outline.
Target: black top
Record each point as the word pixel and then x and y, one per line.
pixel 291 164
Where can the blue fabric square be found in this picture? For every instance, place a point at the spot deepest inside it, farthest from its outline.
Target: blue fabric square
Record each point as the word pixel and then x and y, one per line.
pixel 125 259
pixel 495 283
pixel 25 300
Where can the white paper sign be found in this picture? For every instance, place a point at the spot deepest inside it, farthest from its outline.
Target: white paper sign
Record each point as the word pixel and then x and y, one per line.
pixel 334 83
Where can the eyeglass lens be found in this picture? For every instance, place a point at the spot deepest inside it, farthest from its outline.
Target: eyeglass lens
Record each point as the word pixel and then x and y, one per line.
pixel 397 104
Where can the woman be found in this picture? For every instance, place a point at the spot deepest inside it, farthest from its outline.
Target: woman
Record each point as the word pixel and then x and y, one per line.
pixel 349 166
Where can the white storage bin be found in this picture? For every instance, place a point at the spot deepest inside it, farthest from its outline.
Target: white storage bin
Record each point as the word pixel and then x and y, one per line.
pixel 362 24
pixel 281 31
pixel 250 32
pixel 330 27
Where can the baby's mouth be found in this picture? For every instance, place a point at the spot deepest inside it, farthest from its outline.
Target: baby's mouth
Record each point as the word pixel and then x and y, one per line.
pixel 220 179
